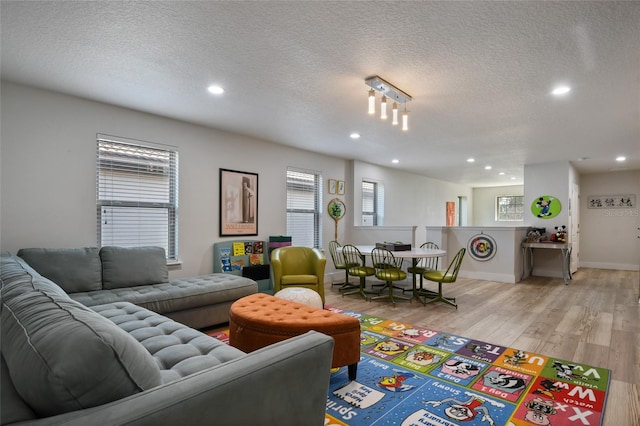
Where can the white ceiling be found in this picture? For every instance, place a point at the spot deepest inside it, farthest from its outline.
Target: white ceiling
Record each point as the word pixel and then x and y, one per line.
pixel 480 74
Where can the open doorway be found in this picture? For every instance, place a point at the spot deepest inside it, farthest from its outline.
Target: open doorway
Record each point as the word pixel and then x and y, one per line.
pixel 462 211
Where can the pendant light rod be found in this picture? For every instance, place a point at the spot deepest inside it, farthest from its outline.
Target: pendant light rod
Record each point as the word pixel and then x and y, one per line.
pixel 379 84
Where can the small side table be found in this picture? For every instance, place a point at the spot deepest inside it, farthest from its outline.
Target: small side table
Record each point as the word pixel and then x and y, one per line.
pixel 565 251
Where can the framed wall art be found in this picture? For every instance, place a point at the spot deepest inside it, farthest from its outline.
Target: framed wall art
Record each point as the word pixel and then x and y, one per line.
pixel 482 247
pixel 617 201
pixel 546 207
pixel 238 203
pixel 333 185
pixel 340 187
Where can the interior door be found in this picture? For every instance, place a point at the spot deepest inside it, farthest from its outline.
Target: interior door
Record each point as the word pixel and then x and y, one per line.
pixel 574 226
pixel 638 249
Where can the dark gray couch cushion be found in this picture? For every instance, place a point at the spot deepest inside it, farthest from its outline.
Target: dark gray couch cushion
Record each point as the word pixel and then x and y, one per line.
pixel 61 355
pixel 133 266
pixel 73 269
pixel 178 349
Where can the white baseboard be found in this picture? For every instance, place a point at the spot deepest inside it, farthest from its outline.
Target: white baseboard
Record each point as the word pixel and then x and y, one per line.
pixel 603 265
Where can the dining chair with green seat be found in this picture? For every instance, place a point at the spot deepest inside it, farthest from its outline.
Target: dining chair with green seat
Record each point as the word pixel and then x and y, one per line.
pixel 424 264
pixel 440 277
pixel 339 263
pixel 356 267
pixel 388 269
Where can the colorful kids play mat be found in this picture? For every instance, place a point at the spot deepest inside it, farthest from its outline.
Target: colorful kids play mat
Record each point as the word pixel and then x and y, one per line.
pixel 412 376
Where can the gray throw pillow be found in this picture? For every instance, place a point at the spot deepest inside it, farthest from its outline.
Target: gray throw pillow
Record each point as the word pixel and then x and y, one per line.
pixel 133 266
pixel 74 269
pixel 63 357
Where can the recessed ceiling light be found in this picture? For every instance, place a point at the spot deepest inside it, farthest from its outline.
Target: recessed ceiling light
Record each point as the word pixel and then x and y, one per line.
pixel 216 90
pixel 621 158
pixel 513 178
pixel 488 167
pixel 470 160
pixel 395 161
pixel 561 90
pixel 354 135
pixel 501 173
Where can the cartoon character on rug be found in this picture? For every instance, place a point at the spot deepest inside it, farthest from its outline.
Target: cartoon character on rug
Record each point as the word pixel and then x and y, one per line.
pixel 464 411
pixel 517 358
pixel 460 369
pixel 538 411
pixel 395 383
pixel 566 371
pixel 505 382
pixel 390 347
pixel 422 358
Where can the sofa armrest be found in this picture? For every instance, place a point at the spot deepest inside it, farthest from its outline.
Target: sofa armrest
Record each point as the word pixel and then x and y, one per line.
pixel 285 384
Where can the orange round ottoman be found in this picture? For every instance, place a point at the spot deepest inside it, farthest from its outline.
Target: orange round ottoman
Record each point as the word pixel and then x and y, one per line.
pixel 259 320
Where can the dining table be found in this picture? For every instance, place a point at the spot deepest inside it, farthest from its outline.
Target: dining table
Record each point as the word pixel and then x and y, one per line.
pixel 415 254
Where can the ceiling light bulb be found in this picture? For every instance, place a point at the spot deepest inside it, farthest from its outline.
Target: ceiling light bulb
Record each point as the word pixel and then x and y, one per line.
pixel 395 161
pixel 405 120
pixel 621 158
pixel 372 101
pixel 561 90
pixel 488 167
pixel 394 112
pixel 470 160
pixel 354 135
pixel 216 90
pixel 383 108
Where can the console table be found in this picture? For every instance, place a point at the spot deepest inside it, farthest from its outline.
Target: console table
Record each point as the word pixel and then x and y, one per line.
pixel 565 251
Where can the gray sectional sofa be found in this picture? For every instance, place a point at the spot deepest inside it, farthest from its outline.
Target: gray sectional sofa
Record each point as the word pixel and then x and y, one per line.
pixel 139 275
pixel 117 363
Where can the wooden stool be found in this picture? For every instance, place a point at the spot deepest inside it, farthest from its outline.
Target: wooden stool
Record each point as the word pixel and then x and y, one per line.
pixel 259 320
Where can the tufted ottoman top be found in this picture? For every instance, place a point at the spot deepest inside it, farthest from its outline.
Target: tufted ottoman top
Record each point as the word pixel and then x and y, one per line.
pixel 259 320
pixel 277 316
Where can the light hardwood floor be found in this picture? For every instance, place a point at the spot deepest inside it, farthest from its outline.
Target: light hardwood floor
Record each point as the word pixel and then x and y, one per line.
pixel 594 320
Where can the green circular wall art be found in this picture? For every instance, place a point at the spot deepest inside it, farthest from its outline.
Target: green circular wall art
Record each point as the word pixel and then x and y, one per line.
pixel 546 207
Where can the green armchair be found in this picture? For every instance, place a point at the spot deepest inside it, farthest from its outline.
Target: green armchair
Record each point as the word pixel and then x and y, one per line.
pixel 298 267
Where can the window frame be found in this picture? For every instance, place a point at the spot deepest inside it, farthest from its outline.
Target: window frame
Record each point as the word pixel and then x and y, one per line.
pixel 130 161
pixel 316 211
pixel 501 217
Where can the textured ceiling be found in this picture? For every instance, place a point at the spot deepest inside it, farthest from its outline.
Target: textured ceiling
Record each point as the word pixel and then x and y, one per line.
pixel 480 74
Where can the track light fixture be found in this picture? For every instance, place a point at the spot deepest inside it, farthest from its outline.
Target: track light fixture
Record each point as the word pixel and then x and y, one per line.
pixel 389 91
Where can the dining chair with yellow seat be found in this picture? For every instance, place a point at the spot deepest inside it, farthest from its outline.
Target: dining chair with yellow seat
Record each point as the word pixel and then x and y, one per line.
pixel 388 269
pixel 424 264
pixel 296 266
pixel 339 263
pixel 440 277
pixel 356 267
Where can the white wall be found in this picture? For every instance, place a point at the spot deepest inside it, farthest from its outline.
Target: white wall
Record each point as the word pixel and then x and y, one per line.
pixel 48 173
pixel 609 237
pixel 409 199
pixel 47 176
pixel 484 205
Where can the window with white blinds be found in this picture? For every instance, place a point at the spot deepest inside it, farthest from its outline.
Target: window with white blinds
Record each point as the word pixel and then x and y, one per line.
pixel 304 212
pixel 509 208
pixel 137 194
pixel 372 203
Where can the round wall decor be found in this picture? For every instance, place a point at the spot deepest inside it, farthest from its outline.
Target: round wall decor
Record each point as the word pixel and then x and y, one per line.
pixel 482 247
pixel 546 207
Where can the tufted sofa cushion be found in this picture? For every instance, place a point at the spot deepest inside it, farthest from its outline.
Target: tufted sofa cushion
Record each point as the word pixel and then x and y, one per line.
pixel 73 269
pixel 133 266
pixel 177 349
pixel 176 295
pixel 63 356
